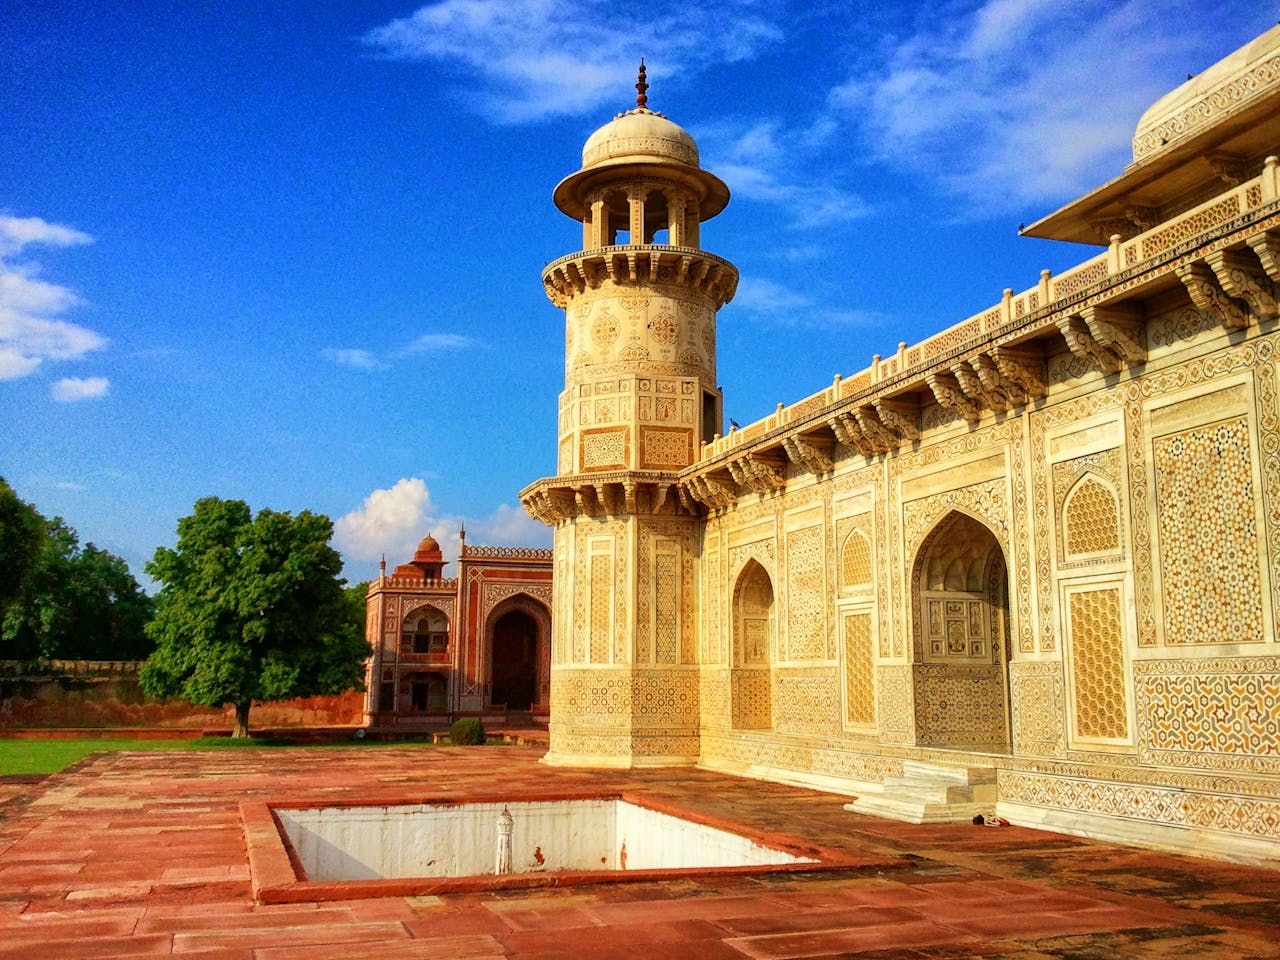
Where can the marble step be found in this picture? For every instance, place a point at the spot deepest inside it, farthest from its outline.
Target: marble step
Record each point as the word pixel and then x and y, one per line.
pixel 933 793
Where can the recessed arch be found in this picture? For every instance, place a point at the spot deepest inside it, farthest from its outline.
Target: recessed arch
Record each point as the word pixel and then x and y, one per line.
pixel 960 632
pixel 424 630
pixel 855 561
pixel 753 630
pixel 1091 517
pixel 517 654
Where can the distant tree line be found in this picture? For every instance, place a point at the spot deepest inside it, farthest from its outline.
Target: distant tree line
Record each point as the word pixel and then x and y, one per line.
pixel 250 608
pixel 60 600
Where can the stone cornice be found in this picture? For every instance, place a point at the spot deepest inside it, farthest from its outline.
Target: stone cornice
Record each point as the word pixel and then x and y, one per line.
pixel 636 264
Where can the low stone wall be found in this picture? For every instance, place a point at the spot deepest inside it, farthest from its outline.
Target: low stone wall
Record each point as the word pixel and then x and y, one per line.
pixel 107 694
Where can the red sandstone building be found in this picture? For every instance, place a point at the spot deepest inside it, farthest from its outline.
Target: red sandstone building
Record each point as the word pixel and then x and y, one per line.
pixel 478 644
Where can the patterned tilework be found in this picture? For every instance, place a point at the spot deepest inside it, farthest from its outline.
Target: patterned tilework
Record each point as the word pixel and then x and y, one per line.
pixel 666 604
pixel 1097 664
pixel 1256 816
pixel 601 600
pixel 859 687
pixel 1220 713
pixel 752 708
pixel 959 704
pixel 1208 537
pixel 806 595
pixel 806 701
pixel 896 714
pixel 855 562
pixel 1038 707
pixel 1091 519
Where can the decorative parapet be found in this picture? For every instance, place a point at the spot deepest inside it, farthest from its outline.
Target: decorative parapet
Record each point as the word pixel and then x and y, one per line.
pixel 504 553
pixel 1021 374
pixel 636 264
pixel 443 585
pixel 994 363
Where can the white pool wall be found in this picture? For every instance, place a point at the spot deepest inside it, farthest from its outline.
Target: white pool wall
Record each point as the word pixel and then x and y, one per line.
pixel 458 840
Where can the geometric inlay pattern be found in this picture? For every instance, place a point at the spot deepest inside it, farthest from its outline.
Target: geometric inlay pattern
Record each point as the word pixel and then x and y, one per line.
pixel 859 688
pixel 1208 537
pixel 1221 713
pixel 806 600
pixel 1097 664
pixel 1091 517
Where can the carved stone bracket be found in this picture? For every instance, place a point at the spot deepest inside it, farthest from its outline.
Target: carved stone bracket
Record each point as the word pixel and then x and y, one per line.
pixel 994 382
pixel 946 390
pixel 849 432
pixel 712 492
pixel 1023 368
pixel 1206 293
pixel 1118 329
pixel 1243 278
pixel 900 417
pixel 758 474
pixel 973 387
pixel 880 436
pixel 806 454
pixel 1267 247
pixel 1081 343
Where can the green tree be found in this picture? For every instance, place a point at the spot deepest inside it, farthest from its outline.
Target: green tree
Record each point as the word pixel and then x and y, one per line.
pixel 21 534
pixel 251 608
pixel 69 602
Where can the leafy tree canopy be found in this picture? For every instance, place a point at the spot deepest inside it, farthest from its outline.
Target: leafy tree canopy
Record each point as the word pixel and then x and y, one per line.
pixel 64 601
pixel 251 608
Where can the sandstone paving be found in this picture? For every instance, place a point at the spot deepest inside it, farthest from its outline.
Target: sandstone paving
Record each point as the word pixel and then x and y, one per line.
pixel 144 854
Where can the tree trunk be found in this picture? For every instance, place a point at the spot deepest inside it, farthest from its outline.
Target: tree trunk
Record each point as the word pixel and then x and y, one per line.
pixel 242 721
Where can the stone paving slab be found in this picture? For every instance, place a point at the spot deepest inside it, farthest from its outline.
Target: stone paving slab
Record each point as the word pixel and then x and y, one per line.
pixel 145 854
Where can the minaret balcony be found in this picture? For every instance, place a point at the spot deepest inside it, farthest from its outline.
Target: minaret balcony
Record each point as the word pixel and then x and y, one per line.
pixel 640 264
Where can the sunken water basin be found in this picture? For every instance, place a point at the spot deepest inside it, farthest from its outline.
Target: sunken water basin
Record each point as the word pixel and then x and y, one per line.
pixel 493 838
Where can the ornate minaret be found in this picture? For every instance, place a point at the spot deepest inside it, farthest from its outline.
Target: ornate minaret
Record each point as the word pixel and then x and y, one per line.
pixel 640 398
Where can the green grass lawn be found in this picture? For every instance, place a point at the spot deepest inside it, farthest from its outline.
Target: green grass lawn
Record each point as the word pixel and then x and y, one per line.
pixel 50 756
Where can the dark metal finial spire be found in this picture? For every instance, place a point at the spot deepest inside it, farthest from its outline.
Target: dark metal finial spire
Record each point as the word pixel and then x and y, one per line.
pixel 642 89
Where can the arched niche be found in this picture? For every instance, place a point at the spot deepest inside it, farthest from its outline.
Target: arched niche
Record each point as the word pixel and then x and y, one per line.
pixel 1090 518
pixel 960 627
pixel 517 654
pixel 424 631
pixel 753 629
pixel 855 562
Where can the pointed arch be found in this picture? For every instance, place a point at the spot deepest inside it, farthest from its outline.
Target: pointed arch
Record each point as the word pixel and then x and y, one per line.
pixel 425 630
pixel 960 631
pixel 753 630
pixel 1091 517
pixel 517 654
pixel 856 571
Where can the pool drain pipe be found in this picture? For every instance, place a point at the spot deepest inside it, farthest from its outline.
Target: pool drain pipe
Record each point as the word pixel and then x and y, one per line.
pixel 502 862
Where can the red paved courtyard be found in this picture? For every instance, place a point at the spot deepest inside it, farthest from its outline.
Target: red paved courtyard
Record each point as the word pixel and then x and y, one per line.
pixel 144 854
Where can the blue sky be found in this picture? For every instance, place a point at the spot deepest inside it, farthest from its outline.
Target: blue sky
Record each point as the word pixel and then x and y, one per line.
pixel 292 253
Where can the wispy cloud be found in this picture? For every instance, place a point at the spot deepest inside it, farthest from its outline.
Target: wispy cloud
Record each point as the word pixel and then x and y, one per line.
pixel 522 60
pixel 438 343
pixel 351 357
pixel 71 389
pixel 391 521
pixel 771 162
pixel 31 330
pixel 782 306
pixel 1019 101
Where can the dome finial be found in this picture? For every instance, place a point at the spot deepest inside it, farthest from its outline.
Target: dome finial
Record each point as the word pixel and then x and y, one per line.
pixel 642 89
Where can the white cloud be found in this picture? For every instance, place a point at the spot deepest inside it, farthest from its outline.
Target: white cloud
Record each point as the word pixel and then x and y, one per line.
pixel 757 166
pixel 438 342
pixel 31 330
pixel 19 232
pixel 1021 101
pixel 71 389
pixel 393 520
pixel 351 357
pixel 523 60
pixel 765 296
